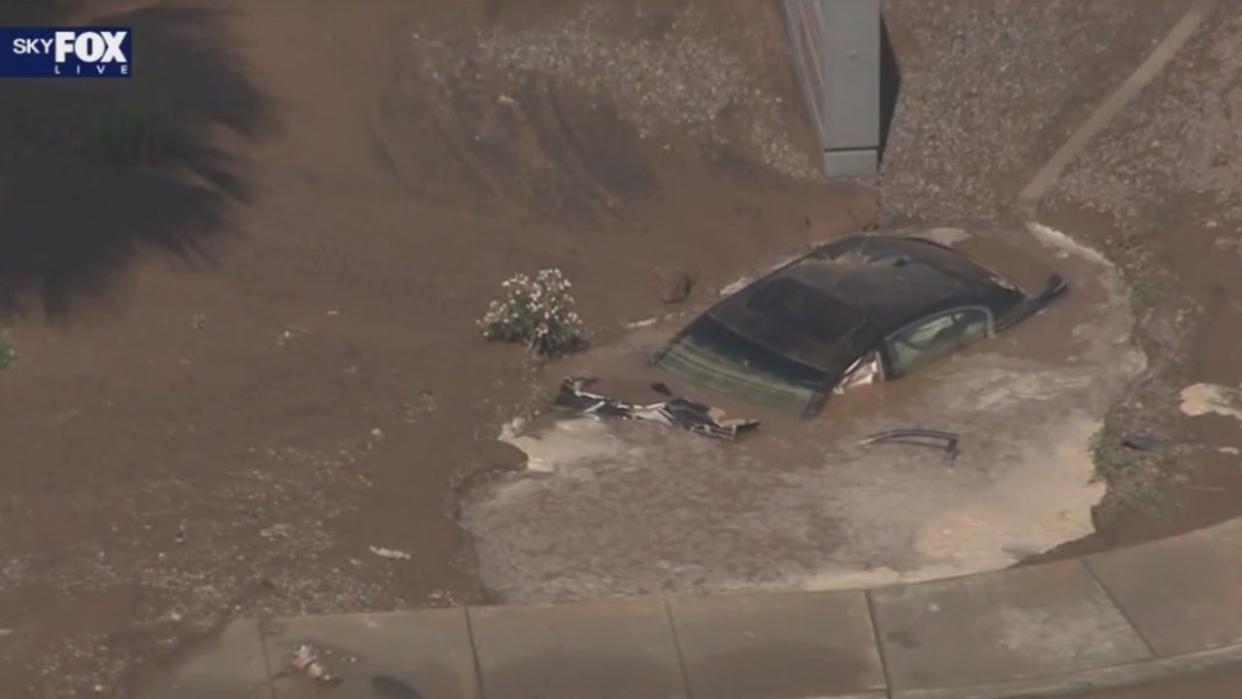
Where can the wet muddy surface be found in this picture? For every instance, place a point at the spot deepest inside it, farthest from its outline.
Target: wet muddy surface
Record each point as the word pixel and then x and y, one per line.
pixel 226 399
pixel 239 392
pixel 610 507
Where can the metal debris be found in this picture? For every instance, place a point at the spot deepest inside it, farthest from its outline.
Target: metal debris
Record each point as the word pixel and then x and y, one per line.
pixel 675 412
pixel 645 322
pixel 916 437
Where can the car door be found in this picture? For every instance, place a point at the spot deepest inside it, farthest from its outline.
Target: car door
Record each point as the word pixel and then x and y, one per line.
pixel 933 337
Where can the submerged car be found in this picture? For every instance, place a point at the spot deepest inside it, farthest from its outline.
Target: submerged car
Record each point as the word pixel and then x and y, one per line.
pixel 856 310
pixel 853 311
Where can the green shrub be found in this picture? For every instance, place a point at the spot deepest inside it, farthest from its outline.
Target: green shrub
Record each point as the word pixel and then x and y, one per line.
pixel 1140 481
pixel 1112 461
pixel 1147 292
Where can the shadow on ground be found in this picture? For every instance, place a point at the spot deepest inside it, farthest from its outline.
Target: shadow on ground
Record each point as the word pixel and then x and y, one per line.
pixel 890 84
pixel 96 171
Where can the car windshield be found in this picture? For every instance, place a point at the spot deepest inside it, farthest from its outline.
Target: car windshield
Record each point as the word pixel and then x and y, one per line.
pixel 713 356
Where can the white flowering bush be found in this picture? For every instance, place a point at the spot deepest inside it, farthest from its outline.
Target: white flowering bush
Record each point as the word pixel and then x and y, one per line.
pixel 536 312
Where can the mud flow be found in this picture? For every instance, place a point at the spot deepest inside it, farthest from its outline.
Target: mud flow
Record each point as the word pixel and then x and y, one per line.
pixel 607 507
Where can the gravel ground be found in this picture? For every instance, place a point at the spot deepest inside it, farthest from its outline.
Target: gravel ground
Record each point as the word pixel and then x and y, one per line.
pixel 989 90
pixel 1181 135
pixel 179 591
pixel 1167 174
pixel 682 74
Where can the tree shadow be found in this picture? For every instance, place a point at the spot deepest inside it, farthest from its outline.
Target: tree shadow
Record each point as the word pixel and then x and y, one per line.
pixel 890 84
pixel 95 172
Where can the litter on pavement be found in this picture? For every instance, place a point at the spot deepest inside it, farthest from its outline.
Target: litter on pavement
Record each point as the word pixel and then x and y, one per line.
pixel 306 661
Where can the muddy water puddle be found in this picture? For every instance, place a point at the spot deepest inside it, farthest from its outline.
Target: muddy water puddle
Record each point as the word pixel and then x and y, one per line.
pixel 608 507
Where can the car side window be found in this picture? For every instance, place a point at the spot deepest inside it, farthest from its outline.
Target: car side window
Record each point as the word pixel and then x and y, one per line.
pixel 931 338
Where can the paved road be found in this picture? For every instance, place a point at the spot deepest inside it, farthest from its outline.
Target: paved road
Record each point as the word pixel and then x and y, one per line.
pixel 1144 614
pixel 1216 684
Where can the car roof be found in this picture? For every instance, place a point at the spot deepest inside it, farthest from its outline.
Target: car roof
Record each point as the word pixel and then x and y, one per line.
pixel 895 280
pixel 829 306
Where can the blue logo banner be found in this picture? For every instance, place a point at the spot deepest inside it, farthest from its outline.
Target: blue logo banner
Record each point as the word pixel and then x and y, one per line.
pixel 66 52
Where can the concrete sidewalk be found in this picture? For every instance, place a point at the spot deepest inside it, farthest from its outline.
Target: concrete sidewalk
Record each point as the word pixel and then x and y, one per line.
pixel 1111 619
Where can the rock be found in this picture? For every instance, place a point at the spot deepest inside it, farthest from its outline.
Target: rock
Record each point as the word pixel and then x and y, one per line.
pixel 1140 442
pixel 864 208
pixel 674 286
pixel 390 554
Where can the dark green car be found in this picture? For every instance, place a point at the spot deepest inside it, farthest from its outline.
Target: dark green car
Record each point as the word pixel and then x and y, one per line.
pixel 857 310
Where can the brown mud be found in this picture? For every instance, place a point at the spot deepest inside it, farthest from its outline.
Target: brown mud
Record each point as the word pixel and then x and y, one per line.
pixel 243 285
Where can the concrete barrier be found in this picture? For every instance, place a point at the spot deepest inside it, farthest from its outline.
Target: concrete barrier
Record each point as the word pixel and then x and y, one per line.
pixel 836 50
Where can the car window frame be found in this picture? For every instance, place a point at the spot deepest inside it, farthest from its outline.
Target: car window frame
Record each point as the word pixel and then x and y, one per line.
pixel 885 349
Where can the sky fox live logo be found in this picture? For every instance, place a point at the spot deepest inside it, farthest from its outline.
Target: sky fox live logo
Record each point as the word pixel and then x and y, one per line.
pixel 65 52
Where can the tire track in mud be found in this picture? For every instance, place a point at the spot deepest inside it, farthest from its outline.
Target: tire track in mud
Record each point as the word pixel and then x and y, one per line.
pixel 541 166
pixel 577 159
pixel 462 152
